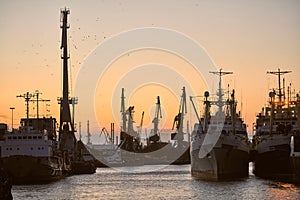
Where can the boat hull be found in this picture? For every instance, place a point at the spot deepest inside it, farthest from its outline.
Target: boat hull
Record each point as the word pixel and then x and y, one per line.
pixel 220 164
pixel 82 167
pixel 278 165
pixel 160 153
pixel 33 170
pixel 295 162
pixel 168 154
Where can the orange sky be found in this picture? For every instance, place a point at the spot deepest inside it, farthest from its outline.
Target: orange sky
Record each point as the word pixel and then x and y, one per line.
pixel 246 37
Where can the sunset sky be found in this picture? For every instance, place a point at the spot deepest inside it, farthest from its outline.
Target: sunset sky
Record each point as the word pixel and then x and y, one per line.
pixel 248 38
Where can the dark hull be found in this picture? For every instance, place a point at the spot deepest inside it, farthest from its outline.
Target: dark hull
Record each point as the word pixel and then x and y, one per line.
pixel 168 154
pixel 99 158
pixel 295 162
pixel 158 154
pixel 32 170
pixel 184 159
pixel 82 167
pixel 277 165
pixel 220 164
pixel 155 154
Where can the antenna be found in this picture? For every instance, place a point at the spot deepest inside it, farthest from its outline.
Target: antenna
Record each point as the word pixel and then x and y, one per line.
pixel 27 97
pixel 220 73
pixel 37 100
pixel 278 73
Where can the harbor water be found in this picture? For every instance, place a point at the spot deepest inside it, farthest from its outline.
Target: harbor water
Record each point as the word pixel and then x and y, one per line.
pixel 164 182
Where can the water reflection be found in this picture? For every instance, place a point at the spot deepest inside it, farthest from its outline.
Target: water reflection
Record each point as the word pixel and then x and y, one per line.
pixel 171 182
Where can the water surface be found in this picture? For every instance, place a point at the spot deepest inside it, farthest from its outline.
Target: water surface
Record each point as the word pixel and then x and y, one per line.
pixel 166 182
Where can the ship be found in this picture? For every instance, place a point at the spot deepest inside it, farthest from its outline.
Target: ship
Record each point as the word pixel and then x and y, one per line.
pixel 67 141
pixel 31 153
pixel 219 142
pixel 154 151
pixel 106 154
pixel 295 157
pixel 277 135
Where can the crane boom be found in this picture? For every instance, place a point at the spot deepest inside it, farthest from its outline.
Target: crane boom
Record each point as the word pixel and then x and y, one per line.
pixel 178 120
pixel 142 121
pixel 157 116
pixel 197 115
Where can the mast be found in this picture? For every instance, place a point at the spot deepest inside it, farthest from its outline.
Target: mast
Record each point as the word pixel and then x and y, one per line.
pixel 37 100
pixel 278 73
pixel 206 112
pixel 220 93
pixel 27 97
pixel 88 133
pixel 65 115
pixel 183 110
pixel 272 98
pixel 273 94
pixel 233 111
pixel 157 116
pixel 123 111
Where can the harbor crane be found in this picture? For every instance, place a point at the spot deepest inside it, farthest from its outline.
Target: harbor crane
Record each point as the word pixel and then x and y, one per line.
pixel 178 120
pixel 155 137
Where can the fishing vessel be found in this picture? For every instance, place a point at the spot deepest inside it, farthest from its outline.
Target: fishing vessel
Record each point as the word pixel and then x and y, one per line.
pixel 295 157
pixel 31 153
pixel 277 135
pixel 154 151
pixel 219 146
